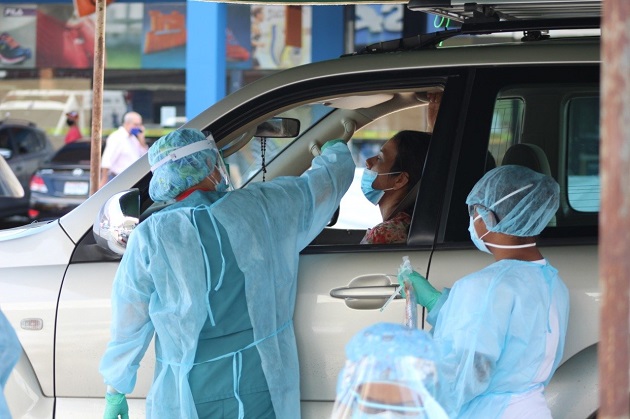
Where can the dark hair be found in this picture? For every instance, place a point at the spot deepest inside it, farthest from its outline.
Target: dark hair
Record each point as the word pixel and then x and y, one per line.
pixel 411 152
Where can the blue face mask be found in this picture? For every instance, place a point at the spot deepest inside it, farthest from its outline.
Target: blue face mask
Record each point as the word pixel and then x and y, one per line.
pixel 368 178
pixel 135 131
pixel 480 244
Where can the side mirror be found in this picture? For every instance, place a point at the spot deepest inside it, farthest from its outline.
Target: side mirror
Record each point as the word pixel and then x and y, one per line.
pixel 116 220
pixel 6 153
pixel 10 186
pixel 278 128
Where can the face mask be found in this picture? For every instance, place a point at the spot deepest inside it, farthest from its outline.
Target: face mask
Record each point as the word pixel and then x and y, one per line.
pixel 479 244
pixel 368 178
pixel 135 131
pixel 70 122
pixel 483 246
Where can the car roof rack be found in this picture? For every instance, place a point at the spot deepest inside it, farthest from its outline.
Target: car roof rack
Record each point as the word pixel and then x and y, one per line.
pixel 533 30
pixel 497 10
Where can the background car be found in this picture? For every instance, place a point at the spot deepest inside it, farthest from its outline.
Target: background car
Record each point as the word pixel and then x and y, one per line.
pixel 61 184
pixel 25 147
pixel 529 102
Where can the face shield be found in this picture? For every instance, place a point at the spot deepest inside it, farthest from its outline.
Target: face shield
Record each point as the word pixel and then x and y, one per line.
pixel 183 159
pixel 390 372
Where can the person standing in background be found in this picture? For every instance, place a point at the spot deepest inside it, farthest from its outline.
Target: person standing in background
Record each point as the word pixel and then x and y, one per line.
pixel 123 147
pixel 74 133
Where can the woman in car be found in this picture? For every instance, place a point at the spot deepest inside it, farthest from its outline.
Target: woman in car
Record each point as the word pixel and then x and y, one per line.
pixel 213 277
pixel 500 331
pixel 388 178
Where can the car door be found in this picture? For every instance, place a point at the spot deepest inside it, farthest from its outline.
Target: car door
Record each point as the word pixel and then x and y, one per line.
pixel 554 111
pixel 328 313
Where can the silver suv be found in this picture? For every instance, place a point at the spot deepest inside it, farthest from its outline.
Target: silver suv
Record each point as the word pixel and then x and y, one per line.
pixel 533 102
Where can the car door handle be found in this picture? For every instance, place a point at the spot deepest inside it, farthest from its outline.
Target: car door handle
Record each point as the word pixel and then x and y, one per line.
pixel 364 292
pixel 367 292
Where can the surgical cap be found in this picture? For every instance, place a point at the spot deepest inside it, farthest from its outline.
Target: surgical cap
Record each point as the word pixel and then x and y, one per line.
pixel 515 200
pixel 391 354
pixel 173 176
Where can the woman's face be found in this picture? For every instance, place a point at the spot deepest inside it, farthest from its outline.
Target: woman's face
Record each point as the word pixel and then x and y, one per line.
pixel 383 163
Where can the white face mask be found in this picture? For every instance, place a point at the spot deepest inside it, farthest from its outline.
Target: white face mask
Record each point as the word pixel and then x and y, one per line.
pixel 483 246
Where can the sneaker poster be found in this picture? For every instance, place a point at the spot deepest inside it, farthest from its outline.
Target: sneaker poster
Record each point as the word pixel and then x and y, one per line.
pixel 17 35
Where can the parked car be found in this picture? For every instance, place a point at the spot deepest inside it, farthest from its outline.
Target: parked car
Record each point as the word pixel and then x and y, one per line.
pixel 63 183
pixel 527 102
pixel 25 147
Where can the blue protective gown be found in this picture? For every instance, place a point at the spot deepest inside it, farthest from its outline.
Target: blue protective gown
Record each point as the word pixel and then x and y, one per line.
pixel 491 330
pixel 10 351
pixel 170 285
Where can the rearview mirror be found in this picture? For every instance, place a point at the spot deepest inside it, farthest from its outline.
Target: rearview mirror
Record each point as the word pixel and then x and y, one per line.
pixel 278 128
pixel 116 220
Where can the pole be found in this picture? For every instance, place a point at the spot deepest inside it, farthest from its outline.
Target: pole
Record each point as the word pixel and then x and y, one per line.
pixel 614 215
pixel 97 97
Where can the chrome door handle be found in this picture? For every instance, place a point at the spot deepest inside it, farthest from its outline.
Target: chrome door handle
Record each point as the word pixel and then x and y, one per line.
pixel 367 292
pixel 358 293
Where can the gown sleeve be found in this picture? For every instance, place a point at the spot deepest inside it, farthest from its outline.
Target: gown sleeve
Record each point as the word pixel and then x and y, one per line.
pixel 131 327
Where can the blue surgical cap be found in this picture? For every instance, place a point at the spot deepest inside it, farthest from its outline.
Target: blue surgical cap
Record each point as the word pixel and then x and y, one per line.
pixel 515 200
pixel 172 176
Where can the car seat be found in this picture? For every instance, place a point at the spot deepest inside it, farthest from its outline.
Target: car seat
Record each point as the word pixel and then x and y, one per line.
pixel 530 156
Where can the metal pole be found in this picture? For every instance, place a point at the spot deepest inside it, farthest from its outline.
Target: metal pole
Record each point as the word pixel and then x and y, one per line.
pixel 614 216
pixel 97 97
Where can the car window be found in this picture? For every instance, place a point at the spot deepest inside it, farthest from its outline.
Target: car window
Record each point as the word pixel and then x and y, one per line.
pixel 583 153
pixel 25 140
pixel 569 121
pixel 506 127
pixel 5 141
pixel 356 212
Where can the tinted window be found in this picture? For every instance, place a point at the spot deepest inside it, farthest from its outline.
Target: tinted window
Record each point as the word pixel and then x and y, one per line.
pixel 25 140
pixel 74 153
pixel 583 153
pixel 505 131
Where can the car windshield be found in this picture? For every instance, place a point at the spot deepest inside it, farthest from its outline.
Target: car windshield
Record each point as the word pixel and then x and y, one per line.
pixel 247 161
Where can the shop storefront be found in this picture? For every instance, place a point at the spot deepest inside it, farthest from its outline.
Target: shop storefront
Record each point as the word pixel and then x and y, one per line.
pixel 168 60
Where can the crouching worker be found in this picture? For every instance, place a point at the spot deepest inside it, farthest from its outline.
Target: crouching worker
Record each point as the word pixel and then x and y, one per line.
pixel 500 331
pixel 391 371
pixel 213 276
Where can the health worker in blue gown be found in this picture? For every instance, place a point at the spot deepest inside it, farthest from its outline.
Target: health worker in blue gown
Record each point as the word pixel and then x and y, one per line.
pixel 500 332
pixel 214 278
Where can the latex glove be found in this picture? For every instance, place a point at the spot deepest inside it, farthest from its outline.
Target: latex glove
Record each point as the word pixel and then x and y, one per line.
pixel 426 295
pixel 116 405
pixel 331 142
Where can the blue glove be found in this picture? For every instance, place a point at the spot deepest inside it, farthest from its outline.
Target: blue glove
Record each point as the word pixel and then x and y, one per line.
pixel 116 406
pixel 331 142
pixel 426 295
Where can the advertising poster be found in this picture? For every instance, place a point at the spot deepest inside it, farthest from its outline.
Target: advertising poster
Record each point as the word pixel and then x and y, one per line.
pixel 164 36
pixel 238 48
pixel 63 40
pixel 280 36
pixel 87 7
pixel 123 35
pixel 17 36
pixel 376 23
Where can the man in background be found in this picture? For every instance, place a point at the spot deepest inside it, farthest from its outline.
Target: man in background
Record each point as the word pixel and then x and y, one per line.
pixel 74 133
pixel 123 147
